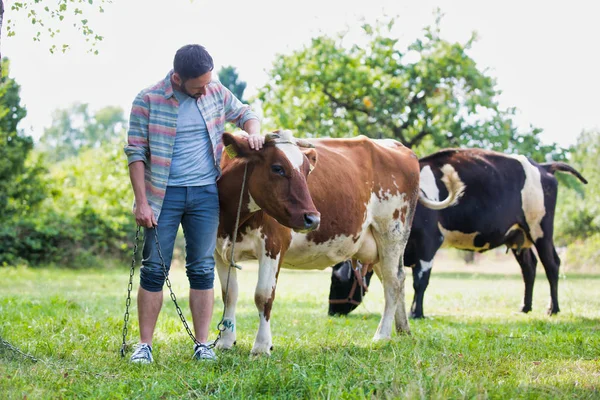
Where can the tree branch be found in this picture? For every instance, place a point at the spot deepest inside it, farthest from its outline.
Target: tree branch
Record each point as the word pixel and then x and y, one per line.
pixel 399 133
pixel 417 139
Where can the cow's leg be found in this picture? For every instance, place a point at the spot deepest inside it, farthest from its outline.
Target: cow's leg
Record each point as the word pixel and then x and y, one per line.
pixel 392 278
pixel 528 262
pixel 227 339
pixel 551 263
pixel 263 298
pixel 421 273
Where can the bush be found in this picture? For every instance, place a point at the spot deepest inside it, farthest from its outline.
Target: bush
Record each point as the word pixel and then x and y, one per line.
pixel 86 218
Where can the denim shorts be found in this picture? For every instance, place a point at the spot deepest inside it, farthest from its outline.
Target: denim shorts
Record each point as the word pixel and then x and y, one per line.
pixel 196 208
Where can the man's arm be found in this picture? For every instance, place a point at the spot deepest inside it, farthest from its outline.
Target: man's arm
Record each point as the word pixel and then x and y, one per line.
pixel 137 151
pixel 243 117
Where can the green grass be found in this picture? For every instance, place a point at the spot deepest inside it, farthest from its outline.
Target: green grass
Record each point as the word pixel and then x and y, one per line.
pixel 474 345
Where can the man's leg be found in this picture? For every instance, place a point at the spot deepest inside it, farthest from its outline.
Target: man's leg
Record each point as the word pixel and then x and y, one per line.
pixel 200 223
pixel 149 305
pixel 201 305
pixel 152 274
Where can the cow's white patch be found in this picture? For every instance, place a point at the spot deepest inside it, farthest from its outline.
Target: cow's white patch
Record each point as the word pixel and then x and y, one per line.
pixel 532 197
pixel 305 254
pixel 425 266
pixel 293 154
pixel 428 184
pixel 248 249
pixel 461 240
pixel 252 206
pixel 289 148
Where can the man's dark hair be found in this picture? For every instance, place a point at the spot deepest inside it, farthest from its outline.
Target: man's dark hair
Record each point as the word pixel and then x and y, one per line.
pixel 191 61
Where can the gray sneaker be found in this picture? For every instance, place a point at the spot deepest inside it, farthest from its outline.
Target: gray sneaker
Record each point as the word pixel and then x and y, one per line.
pixel 142 354
pixel 204 352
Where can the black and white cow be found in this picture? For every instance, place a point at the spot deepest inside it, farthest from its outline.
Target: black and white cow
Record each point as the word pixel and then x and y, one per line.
pixel 509 200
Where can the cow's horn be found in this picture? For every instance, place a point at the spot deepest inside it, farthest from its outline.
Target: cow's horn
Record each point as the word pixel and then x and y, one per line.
pixel 271 137
pixel 304 143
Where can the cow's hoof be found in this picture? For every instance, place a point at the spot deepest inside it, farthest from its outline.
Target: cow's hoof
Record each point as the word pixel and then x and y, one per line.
pixel 417 316
pixel 261 349
pixel 226 343
pixel 380 338
pixel 526 309
pixel 552 312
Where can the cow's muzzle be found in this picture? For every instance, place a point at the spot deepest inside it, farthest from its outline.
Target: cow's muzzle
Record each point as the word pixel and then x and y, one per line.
pixel 311 222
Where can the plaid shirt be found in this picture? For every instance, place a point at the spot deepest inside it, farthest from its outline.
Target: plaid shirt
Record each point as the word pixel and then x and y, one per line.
pixel 153 124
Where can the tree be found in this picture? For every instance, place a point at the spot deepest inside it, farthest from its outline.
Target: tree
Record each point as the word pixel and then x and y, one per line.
pixel 21 185
pixel 76 129
pixel 229 78
pixel 430 94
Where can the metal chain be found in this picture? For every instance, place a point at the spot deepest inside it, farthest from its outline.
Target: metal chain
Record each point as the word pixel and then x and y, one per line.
pixel 129 288
pixel 19 351
pixel 49 364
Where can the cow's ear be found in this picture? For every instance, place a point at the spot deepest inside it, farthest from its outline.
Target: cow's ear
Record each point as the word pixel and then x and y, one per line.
pixel 311 154
pixel 236 145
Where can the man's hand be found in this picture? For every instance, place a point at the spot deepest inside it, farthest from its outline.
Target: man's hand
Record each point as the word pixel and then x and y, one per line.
pixel 144 216
pixel 256 141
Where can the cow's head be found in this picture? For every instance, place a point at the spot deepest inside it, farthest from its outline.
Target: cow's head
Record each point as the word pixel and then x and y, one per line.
pixel 277 177
pixel 345 292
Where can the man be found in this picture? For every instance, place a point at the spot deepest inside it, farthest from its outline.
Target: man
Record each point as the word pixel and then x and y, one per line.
pixel 174 151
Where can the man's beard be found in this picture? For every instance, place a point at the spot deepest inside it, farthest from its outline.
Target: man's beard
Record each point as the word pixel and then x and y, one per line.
pixel 183 90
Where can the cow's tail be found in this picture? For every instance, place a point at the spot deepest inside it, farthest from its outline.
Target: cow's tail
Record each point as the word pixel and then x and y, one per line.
pixel 552 167
pixel 454 185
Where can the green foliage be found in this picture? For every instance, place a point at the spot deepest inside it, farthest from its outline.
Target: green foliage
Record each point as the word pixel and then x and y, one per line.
pixel 577 220
pixel 230 79
pixel 44 15
pixel 94 184
pixel 92 193
pixel 75 129
pixel 476 346
pixel 432 90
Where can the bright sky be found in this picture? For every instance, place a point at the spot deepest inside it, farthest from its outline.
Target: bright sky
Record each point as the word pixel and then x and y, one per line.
pixel 543 53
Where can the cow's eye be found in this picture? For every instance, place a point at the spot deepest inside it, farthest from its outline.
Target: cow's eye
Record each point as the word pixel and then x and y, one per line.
pixel 278 169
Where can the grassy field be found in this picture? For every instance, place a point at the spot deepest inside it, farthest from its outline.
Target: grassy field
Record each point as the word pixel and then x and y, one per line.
pixel 473 345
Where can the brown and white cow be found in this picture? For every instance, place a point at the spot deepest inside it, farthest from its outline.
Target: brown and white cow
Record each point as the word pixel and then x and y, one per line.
pixel 509 201
pixel 366 192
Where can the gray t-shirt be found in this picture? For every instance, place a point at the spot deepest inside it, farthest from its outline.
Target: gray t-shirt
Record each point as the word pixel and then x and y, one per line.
pixel 193 163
